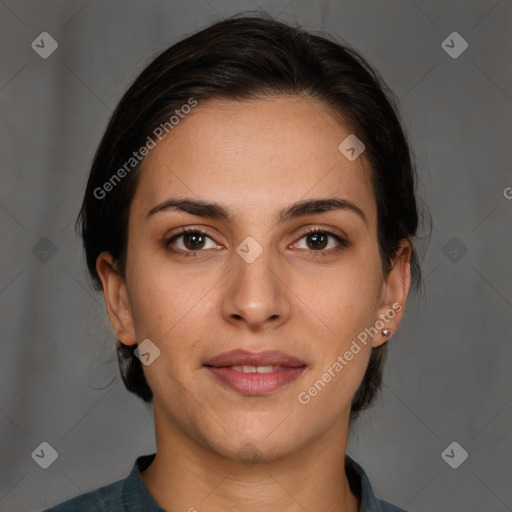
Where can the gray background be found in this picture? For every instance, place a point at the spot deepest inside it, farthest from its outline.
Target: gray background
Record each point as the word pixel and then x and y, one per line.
pixel 448 372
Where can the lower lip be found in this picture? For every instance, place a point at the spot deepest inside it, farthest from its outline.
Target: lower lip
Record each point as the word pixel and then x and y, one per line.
pixel 256 383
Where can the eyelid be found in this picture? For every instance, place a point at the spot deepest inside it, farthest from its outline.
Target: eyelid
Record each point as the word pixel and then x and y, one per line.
pixel 325 229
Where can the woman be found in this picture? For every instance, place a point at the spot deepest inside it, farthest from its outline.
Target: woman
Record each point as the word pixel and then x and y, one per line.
pixel 249 217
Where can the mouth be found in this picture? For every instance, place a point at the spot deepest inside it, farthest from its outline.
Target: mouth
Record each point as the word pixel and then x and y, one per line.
pixel 255 373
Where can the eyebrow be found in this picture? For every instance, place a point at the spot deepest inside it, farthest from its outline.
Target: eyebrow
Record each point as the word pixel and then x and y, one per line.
pixel 299 209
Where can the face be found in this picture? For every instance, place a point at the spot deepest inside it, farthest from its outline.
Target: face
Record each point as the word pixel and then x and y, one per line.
pixel 251 275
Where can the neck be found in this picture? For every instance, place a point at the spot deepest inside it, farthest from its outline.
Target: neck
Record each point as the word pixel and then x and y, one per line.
pixel 186 475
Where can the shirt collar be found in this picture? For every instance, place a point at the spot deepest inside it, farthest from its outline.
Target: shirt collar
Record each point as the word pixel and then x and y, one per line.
pixel 361 486
pixel 135 493
pixel 138 499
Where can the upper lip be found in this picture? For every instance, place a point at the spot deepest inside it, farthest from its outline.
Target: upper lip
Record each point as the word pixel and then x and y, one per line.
pixel 246 358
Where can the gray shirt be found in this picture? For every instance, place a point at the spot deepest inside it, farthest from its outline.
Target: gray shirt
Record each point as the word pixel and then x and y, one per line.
pixel 131 495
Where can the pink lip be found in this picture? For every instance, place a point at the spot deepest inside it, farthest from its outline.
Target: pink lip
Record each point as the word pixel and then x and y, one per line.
pixel 255 383
pixel 244 357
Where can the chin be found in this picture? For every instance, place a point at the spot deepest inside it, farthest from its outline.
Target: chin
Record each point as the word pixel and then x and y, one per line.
pixel 253 446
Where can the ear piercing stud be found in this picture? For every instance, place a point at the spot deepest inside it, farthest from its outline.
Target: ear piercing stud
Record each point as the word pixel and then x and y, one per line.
pixel 386 332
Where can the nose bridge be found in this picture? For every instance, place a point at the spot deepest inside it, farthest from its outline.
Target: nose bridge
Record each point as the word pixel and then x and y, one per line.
pixel 256 291
pixel 254 272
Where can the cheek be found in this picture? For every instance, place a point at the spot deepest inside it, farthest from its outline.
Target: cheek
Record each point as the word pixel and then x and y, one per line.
pixel 344 307
pixel 160 307
pixel 169 307
pixel 342 345
pixel 346 299
pixel 156 293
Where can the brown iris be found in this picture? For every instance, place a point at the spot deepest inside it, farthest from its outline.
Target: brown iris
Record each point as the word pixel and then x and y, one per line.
pixel 320 240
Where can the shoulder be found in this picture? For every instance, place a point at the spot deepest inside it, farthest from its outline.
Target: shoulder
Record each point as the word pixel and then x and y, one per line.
pixel 361 486
pixel 108 498
pixel 127 495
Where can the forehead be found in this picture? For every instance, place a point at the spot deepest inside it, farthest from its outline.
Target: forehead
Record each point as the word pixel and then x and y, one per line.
pixel 258 154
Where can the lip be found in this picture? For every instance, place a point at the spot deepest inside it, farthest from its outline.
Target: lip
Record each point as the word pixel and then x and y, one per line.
pixel 290 368
pixel 244 357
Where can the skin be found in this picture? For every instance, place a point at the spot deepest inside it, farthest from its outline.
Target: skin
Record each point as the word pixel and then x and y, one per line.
pixel 255 158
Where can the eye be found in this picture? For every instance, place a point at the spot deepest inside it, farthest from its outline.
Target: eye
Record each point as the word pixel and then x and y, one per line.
pixel 317 240
pixel 193 241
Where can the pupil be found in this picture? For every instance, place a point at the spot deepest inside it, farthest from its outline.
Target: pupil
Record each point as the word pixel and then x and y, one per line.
pixel 193 240
pixel 318 237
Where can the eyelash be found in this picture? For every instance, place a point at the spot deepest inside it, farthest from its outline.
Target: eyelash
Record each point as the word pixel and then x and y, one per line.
pixel 343 243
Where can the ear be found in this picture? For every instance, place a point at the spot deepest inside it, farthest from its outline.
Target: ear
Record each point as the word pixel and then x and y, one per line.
pixel 394 295
pixel 116 299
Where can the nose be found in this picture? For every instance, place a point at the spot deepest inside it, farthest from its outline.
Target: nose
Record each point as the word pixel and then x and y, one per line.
pixel 256 296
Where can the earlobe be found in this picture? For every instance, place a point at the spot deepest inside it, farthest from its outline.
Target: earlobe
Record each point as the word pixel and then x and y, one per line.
pixel 116 299
pixel 396 289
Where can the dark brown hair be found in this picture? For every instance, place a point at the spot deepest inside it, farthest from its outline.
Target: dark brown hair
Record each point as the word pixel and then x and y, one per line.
pixel 243 58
